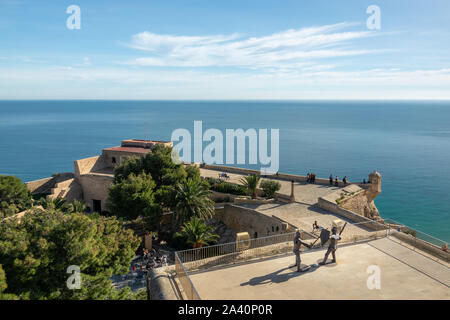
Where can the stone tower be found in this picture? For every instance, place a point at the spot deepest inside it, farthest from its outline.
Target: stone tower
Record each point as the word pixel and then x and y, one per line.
pixel 374 190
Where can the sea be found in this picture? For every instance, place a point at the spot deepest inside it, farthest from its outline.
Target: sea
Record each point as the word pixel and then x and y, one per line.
pixel 408 142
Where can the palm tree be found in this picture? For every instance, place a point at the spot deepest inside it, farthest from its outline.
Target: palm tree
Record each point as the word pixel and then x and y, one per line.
pixel 77 206
pixel 198 233
pixel 192 200
pixel 251 183
pixel 58 204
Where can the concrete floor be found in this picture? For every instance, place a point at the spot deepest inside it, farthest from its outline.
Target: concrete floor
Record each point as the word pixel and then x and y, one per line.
pixel 405 274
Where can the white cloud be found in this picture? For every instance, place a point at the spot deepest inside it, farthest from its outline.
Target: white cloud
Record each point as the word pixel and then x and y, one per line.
pixel 286 49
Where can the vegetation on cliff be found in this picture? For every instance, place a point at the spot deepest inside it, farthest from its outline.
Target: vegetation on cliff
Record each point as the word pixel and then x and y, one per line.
pixel 37 249
pixel 14 196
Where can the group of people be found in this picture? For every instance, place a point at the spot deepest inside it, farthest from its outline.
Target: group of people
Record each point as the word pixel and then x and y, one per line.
pixel 336 180
pixel 311 178
pixel 153 259
pixel 332 247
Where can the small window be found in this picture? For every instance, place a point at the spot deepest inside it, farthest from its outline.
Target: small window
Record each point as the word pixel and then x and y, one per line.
pixel 278 228
pixel 256 235
pixel 113 159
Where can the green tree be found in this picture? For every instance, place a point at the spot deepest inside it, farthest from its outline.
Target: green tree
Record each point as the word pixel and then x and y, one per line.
pixel 77 206
pixel 270 187
pixel 251 183
pixel 58 204
pixel 134 197
pixel 14 196
pixel 197 233
pixel 192 199
pixel 4 286
pixel 36 251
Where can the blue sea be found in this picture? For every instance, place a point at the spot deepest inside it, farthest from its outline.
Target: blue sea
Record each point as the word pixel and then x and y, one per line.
pixel 407 142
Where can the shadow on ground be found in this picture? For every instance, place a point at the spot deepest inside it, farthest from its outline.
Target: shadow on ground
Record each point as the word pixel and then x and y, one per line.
pixel 276 277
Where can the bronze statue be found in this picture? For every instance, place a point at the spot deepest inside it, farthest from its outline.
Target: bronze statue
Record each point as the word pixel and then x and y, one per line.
pixel 332 247
pixel 297 244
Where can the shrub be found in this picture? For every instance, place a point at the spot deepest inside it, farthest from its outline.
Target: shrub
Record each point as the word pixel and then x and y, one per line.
pixel 270 187
pixel 226 187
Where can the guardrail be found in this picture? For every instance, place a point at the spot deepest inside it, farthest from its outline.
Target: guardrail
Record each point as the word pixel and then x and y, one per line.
pixel 416 234
pixel 258 248
pixel 186 283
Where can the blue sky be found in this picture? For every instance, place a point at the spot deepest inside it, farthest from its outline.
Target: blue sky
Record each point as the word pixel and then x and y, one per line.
pixel 225 50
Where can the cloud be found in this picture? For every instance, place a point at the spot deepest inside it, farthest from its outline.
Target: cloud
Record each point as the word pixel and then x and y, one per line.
pixel 287 49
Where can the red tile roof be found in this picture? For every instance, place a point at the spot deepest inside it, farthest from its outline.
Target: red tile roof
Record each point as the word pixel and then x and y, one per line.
pixel 129 149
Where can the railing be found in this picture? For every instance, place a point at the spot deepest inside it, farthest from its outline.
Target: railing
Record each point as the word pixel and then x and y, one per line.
pixel 186 283
pixel 416 234
pixel 259 248
pixel 234 252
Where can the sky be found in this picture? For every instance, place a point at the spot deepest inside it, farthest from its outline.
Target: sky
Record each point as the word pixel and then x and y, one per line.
pixel 239 50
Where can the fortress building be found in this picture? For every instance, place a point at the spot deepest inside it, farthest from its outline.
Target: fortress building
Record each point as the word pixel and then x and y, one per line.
pixel 93 176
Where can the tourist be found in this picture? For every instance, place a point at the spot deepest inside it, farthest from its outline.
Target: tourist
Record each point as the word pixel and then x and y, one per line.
pixel 315 225
pixel 336 182
pixel 345 180
pixel 313 178
pixel 331 179
pixel 364 181
pixel 308 178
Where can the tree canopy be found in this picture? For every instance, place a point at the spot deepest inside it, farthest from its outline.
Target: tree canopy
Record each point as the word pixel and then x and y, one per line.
pixel 134 196
pixel 14 196
pixel 37 249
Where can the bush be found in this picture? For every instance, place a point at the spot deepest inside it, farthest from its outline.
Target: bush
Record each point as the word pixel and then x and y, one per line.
pixel 270 187
pixel 226 187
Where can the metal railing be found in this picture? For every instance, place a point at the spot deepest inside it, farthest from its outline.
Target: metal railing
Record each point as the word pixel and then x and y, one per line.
pixel 235 252
pixel 186 283
pixel 415 234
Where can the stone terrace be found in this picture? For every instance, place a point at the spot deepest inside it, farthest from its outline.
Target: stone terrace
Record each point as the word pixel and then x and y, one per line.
pixel 405 274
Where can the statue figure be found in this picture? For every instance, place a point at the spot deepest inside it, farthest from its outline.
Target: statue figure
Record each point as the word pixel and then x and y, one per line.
pixel 297 244
pixel 332 247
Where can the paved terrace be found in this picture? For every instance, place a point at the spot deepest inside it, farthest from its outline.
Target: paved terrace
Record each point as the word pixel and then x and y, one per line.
pixel 304 193
pixel 405 274
pixel 303 216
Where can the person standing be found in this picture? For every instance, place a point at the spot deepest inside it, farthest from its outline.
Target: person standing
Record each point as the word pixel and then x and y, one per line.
pixel 297 244
pixel 336 181
pixel 345 180
pixel 331 179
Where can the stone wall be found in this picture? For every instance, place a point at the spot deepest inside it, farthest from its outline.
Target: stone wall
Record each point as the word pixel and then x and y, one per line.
pixel 279 176
pixel 44 185
pixel 242 219
pixel 95 187
pixel 352 216
pixel 84 166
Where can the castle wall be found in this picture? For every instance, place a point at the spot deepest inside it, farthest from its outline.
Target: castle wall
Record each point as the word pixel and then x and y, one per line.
pixel 84 166
pixel 95 187
pixel 242 219
pixel 279 176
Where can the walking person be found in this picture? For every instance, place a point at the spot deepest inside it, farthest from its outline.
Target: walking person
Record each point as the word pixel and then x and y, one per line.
pixel 297 244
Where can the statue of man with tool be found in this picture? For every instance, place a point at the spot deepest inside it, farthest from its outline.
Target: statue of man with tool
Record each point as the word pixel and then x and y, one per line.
pixel 297 244
pixel 332 247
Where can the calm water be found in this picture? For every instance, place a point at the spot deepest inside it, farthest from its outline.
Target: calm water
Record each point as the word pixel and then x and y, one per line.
pixel 407 142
